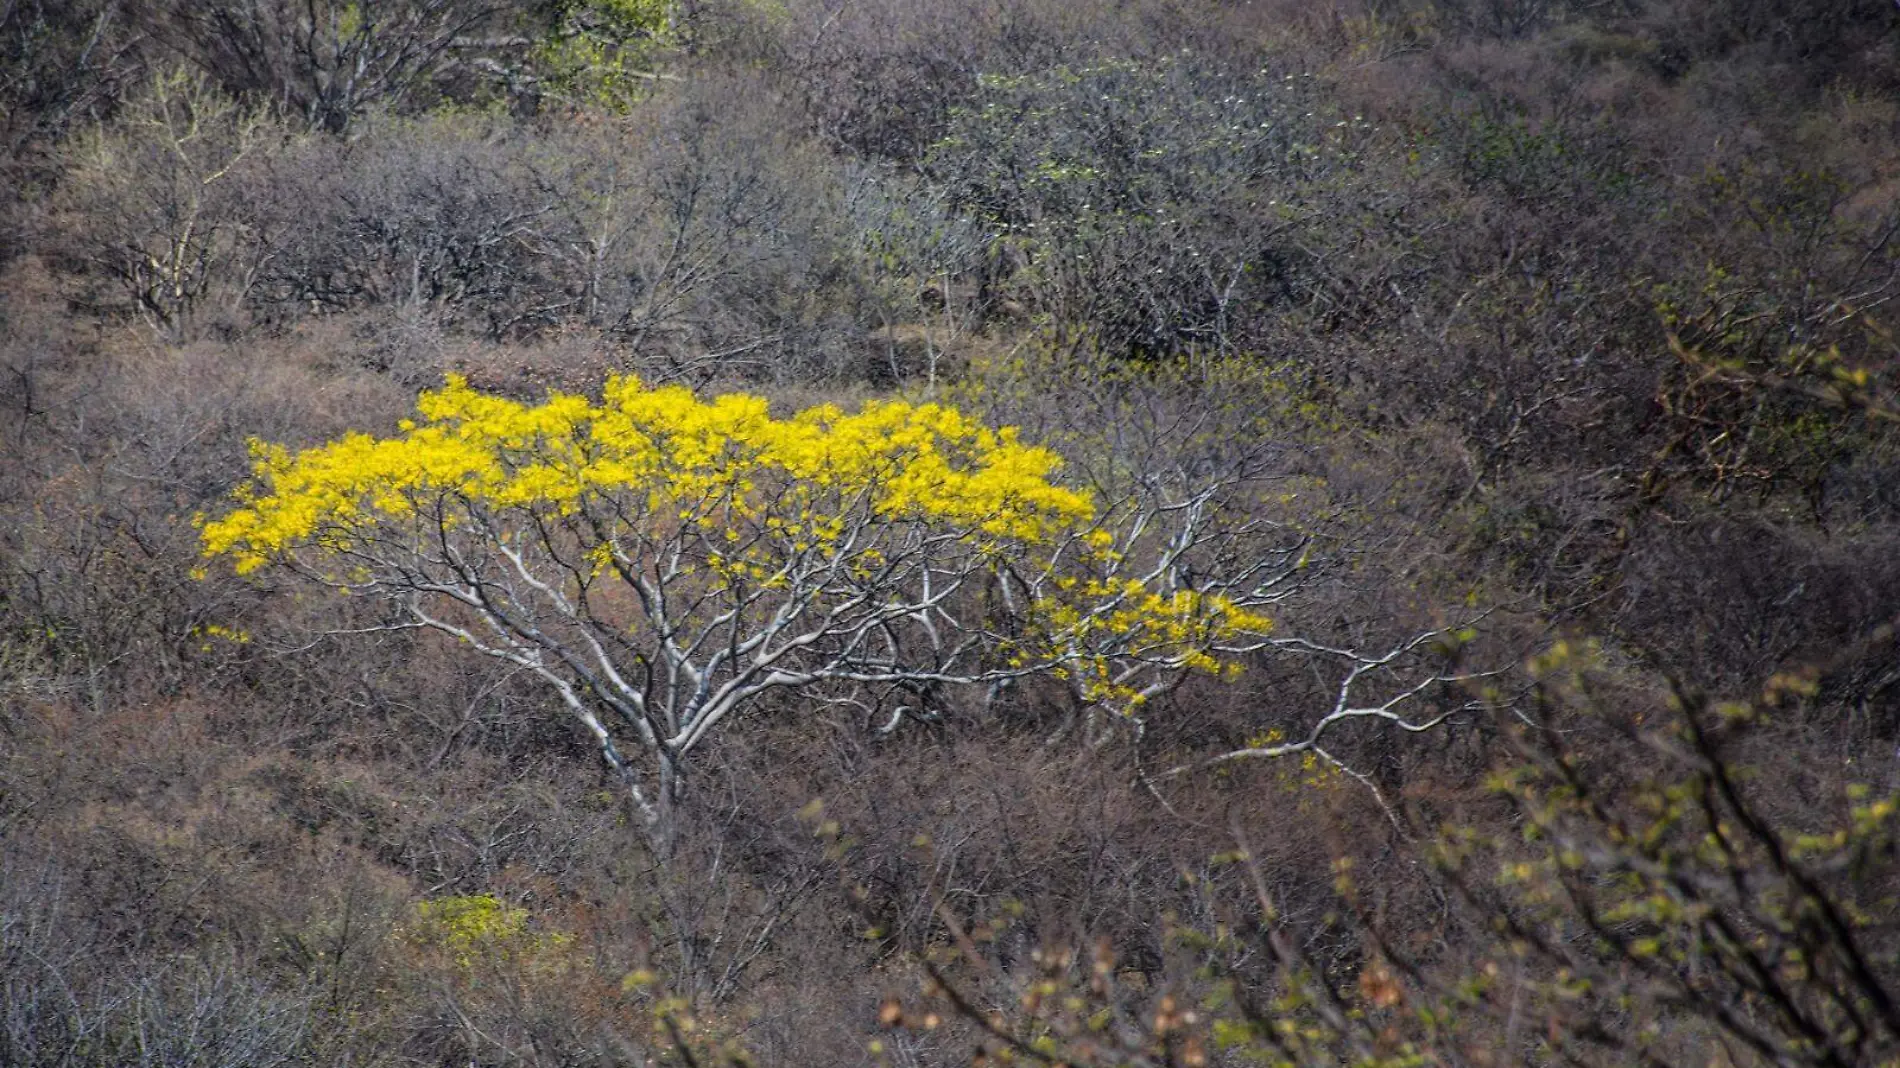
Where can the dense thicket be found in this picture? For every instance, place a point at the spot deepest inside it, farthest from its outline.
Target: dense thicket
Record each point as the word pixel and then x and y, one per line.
pixel 1551 339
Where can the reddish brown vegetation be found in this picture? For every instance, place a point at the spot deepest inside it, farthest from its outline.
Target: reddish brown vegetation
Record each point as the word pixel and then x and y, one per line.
pixel 1580 315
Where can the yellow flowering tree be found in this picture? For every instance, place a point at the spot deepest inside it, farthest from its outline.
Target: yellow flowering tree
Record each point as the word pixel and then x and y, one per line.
pixel 663 561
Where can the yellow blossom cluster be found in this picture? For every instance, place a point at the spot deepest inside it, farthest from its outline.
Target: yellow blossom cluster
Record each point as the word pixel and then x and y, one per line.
pixel 1121 619
pixel 740 508
pixel 725 463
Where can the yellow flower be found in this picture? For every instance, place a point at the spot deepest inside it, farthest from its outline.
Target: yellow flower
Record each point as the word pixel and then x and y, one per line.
pixel 736 495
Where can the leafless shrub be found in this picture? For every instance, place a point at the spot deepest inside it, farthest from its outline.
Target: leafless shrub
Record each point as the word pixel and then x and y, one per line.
pixel 147 207
pixel 47 1011
pixel 325 62
pixel 61 65
pixel 199 1015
